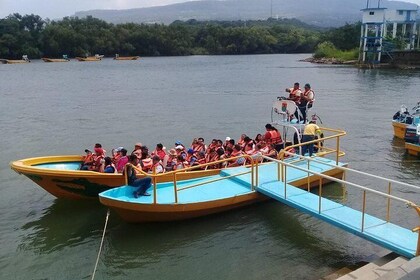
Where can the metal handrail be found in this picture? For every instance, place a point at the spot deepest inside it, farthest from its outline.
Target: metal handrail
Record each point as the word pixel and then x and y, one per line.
pixel 353 170
pixel 341 181
pixel 183 170
pixel 365 190
pixel 339 133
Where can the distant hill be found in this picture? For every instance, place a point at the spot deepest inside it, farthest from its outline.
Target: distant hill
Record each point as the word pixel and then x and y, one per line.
pixel 323 13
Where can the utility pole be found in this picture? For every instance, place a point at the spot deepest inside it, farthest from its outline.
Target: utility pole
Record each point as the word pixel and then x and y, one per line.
pixel 271 8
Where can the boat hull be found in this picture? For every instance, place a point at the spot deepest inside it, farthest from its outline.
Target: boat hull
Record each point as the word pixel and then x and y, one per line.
pixel 140 213
pixel 45 59
pixel 413 149
pixel 127 58
pixel 52 175
pixel 399 129
pixel 89 59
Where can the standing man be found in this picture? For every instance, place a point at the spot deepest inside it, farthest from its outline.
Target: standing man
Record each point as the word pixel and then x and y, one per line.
pixel 306 100
pixel 294 93
pixel 143 184
pixel 309 133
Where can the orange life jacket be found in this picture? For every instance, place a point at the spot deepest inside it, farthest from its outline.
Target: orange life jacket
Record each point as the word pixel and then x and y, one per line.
pixel 306 95
pixel 293 95
pixel 147 164
pixel 275 137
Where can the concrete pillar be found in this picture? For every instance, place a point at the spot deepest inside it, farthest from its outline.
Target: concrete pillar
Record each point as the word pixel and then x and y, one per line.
pixel 394 30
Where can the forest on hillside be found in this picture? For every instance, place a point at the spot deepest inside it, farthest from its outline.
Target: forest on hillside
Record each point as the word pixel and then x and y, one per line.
pixel 36 37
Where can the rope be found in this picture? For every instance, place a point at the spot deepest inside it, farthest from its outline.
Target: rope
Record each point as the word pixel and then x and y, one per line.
pixel 100 247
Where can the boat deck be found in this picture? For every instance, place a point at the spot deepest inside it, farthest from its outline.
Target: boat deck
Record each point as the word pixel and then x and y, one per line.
pixel 215 190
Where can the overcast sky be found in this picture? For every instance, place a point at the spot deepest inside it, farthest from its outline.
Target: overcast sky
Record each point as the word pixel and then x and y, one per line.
pixel 55 9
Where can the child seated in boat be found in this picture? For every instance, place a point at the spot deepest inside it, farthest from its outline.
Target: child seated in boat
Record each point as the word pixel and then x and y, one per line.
pixel 171 160
pixel 237 151
pixel 289 150
pixel 157 165
pixel 98 159
pixel 88 160
pixel 116 155
pixel 181 163
pixel 146 162
pixel 159 151
pixel 191 157
pixel 108 166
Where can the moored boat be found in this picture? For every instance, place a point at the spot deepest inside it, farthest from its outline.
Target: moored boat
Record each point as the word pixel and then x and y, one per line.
pixel 64 59
pixel 413 148
pixel 97 57
pixel 403 119
pixel 24 59
pixel 118 57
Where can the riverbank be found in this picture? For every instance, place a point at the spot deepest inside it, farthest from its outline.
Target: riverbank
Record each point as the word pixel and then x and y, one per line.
pixel 329 60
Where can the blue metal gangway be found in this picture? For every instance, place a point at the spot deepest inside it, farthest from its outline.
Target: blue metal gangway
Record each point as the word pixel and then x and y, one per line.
pixel 274 180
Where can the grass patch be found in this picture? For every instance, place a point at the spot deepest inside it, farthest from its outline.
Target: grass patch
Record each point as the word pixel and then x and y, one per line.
pixel 328 50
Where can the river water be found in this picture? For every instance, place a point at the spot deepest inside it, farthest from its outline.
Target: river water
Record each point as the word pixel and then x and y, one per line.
pixel 63 108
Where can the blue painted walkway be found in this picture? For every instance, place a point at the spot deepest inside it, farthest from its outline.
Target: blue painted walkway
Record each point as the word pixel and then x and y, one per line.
pixel 393 237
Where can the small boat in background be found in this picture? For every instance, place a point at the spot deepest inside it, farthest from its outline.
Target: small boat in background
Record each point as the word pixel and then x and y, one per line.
pixel 64 59
pixel 24 59
pixel 403 119
pixel 97 57
pixel 118 57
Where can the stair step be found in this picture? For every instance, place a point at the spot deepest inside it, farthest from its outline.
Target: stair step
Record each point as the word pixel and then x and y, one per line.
pixel 337 274
pixel 390 266
pixel 365 272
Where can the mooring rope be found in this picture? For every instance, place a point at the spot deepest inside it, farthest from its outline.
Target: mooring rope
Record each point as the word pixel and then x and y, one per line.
pixel 100 247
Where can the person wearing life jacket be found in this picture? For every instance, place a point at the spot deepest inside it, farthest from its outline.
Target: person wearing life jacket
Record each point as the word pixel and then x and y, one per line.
pixel 241 141
pixel 146 162
pixel 271 152
pixel 108 166
pixel 116 155
pixel 181 163
pixel 306 101
pixel 159 151
pixel 171 160
pixel 87 160
pixel 191 157
pixel 294 93
pixel 137 150
pixel 157 165
pixel 272 136
pixel 98 159
pixel 122 161
pixel 237 151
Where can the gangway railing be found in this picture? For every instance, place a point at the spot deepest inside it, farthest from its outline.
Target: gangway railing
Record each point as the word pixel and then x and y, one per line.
pixel 175 173
pixel 282 177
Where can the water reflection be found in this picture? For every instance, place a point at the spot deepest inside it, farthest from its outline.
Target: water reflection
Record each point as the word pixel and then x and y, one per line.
pixel 63 224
